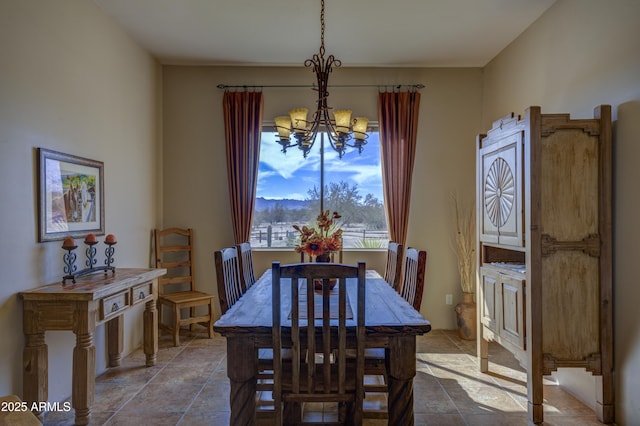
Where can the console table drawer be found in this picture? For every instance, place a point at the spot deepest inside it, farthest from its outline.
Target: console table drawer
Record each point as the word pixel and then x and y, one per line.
pixel 113 305
pixel 141 293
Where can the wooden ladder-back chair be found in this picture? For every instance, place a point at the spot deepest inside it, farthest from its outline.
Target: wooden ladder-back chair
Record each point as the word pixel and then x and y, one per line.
pixel 375 358
pixel 228 276
pixel 319 369
pixel 177 291
pixel 245 262
pixel 413 276
pixel 234 268
pixel 411 290
pixel 393 270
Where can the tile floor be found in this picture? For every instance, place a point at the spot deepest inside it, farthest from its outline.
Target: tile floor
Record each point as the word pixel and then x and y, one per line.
pixel 189 386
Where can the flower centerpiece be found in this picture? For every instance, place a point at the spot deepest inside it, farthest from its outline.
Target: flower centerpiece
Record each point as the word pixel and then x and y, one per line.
pixel 320 242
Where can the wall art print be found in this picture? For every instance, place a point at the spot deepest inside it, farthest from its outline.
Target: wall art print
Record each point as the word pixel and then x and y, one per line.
pixel 70 196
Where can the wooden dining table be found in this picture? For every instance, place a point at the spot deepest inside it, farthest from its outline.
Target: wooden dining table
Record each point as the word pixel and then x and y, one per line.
pixel 390 322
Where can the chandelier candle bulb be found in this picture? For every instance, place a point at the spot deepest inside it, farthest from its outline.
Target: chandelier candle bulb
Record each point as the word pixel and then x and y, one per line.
pixel 360 127
pixel 343 120
pixel 299 119
pixel 283 124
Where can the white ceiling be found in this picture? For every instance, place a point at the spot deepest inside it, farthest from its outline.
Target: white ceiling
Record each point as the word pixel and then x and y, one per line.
pixel 398 33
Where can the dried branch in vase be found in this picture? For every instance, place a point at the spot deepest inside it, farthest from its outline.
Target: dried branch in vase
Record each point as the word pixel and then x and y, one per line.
pixel 465 245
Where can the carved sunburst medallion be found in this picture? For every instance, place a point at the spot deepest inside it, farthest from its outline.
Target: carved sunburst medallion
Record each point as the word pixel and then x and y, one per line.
pixel 499 192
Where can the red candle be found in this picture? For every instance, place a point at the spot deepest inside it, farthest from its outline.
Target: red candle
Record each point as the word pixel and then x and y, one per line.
pixel 90 239
pixel 111 239
pixel 68 244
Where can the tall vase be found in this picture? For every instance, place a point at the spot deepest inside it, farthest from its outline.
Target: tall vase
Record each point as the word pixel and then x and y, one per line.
pixel 466 315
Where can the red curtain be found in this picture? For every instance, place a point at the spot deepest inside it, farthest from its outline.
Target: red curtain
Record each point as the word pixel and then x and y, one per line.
pixel 398 120
pixel 242 131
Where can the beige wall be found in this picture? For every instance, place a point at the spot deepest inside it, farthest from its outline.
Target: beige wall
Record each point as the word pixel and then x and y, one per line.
pixel 579 54
pixel 195 179
pixel 72 82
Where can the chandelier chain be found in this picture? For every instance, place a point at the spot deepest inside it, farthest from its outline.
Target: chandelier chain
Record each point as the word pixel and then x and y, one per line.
pixel 322 29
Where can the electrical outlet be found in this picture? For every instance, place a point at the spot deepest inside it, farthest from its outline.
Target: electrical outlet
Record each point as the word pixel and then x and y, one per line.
pixel 448 299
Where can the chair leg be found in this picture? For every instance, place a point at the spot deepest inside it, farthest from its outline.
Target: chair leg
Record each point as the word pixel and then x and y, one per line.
pixel 210 326
pixel 292 413
pixel 176 326
pixel 192 311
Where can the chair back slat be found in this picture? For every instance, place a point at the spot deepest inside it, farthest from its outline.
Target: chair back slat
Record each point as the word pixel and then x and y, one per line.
pixel 319 369
pixel 414 266
pixel 393 270
pixel 245 260
pixel 228 276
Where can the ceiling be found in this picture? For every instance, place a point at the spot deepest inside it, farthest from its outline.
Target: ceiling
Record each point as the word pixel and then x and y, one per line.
pixel 385 33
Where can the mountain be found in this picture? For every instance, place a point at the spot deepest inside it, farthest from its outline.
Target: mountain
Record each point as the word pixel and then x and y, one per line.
pixel 287 204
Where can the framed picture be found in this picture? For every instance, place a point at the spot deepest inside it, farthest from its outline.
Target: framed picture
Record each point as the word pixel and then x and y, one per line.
pixel 70 196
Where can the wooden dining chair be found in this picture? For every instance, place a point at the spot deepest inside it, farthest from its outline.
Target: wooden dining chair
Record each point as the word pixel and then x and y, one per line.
pixel 375 358
pixel 245 263
pixel 393 269
pixel 319 369
pixel 411 290
pixel 414 266
pixel 229 273
pixel 176 289
pixel 228 277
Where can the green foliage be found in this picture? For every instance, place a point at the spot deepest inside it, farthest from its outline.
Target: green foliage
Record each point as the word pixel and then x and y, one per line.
pixel 346 200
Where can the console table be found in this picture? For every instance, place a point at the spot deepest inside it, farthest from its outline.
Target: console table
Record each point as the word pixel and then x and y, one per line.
pixel 92 300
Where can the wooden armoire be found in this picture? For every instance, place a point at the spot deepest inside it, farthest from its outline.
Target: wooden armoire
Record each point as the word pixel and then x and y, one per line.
pixel 544 230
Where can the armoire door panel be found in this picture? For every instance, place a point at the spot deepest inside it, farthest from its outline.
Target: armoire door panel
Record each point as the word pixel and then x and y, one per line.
pixel 501 191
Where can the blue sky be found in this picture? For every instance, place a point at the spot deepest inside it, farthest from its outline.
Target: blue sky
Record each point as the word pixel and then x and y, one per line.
pixel 290 175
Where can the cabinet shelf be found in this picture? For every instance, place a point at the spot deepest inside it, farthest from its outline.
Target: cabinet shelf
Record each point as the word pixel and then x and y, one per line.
pixel 511 268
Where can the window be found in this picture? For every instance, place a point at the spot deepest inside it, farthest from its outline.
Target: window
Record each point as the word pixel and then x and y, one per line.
pixel 289 192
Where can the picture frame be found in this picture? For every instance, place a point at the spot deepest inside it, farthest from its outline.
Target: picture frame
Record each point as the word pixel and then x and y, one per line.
pixel 70 196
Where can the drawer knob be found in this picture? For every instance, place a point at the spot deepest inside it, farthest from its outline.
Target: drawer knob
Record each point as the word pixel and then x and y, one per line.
pixel 114 307
pixel 141 295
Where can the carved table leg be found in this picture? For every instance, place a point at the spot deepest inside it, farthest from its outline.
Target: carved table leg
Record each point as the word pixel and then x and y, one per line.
pixel 402 368
pixel 150 318
pixel 115 340
pixel 83 380
pixel 36 372
pixel 242 369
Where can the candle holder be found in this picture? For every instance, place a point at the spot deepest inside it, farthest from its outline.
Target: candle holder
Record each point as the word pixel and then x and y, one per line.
pixel 69 258
pixel 108 252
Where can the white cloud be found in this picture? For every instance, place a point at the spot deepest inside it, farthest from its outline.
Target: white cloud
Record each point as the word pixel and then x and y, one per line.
pixel 287 164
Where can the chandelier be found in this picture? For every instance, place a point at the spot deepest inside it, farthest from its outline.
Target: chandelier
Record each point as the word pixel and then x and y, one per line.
pixel 342 130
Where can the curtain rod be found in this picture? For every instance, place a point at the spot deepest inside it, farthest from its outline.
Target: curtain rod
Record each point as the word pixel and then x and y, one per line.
pixel 313 86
